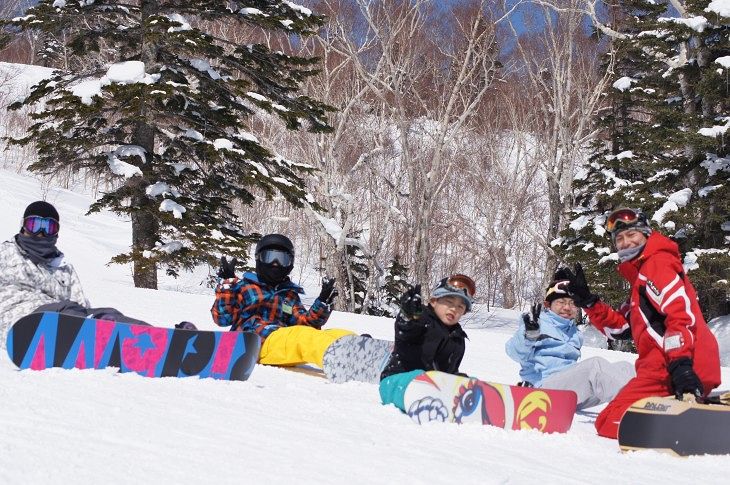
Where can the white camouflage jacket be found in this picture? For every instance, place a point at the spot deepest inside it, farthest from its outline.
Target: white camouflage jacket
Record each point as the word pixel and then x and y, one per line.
pixel 24 286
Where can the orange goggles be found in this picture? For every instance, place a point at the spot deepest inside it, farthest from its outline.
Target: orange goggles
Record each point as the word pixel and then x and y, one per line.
pixel 622 219
pixel 462 283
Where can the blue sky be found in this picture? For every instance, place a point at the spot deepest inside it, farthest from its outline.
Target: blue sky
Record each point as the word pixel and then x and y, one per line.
pixel 517 16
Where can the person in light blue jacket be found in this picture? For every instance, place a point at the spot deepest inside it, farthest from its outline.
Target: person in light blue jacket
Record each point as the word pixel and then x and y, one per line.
pixel 547 346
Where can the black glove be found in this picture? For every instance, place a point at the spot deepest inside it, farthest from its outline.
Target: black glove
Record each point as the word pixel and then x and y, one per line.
pixel 684 379
pixel 578 288
pixel 227 269
pixel 186 326
pixel 532 322
pixel 411 305
pixel 329 292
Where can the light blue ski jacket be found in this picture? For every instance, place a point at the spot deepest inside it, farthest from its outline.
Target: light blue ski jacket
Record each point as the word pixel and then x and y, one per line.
pixel 557 348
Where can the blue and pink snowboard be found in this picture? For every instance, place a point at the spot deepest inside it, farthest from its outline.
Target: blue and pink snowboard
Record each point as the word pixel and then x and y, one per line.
pixel 43 340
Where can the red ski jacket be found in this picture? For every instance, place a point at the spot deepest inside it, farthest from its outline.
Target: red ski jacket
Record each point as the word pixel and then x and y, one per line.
pixel 664 315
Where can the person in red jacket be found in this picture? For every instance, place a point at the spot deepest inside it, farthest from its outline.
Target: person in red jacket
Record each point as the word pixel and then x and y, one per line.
pixel 677 352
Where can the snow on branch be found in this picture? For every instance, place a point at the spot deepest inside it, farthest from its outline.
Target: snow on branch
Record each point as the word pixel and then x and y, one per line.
pixel 720 7
pixel 716 130
pixel 122 168
pixel 161 188
pixel 177 210
pixel 298 8
pixel 690 259
pixel 331 226
pixel 128 72
pixel 675 201
pixel 624 83
pixel 698 24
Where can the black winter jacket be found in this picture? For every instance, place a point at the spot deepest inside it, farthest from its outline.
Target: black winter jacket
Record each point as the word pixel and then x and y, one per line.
pixel 426 343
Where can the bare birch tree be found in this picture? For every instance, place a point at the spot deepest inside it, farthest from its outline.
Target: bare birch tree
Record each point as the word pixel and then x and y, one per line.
pixel 430 77
pixel 560 70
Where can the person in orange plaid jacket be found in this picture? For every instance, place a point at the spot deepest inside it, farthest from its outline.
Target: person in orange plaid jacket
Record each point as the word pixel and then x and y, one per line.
pixel 267 302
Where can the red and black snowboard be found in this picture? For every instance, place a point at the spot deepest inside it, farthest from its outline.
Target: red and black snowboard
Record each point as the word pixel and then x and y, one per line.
pixel 43 340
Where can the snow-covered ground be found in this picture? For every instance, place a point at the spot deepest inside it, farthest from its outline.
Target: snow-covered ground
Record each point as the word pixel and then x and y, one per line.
pixel 61 426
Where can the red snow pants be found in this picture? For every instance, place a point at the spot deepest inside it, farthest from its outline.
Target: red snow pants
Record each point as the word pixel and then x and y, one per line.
pixel 637 388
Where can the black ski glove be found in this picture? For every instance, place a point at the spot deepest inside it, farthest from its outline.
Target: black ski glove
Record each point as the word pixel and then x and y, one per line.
pixel 227 269
pixel 329 292
pixel 578 288
pixel 411 305
pixel 532 322
pixel 186 326
pixel 684 379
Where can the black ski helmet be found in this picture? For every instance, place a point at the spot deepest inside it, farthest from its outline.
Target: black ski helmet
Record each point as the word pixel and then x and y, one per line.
pixel 275 241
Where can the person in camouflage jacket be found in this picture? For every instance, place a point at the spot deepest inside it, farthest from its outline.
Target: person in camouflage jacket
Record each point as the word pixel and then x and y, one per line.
pixel 36 277
pixel 33 272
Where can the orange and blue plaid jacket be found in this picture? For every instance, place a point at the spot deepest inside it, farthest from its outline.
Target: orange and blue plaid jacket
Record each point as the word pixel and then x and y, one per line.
pixel 250 305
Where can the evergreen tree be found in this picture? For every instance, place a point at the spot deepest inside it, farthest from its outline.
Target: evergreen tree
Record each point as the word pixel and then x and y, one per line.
pixel 626 157
pixel 655 152
pixel 158 105
pixel 396 283
pixel 698 208
pixel 358 273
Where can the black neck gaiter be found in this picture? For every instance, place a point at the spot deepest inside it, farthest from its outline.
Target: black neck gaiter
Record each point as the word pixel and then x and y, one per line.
pixel 271 275
pixel 40 250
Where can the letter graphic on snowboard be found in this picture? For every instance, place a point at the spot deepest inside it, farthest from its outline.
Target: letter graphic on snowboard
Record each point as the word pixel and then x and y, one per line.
pixel 42 340
pixel 445 397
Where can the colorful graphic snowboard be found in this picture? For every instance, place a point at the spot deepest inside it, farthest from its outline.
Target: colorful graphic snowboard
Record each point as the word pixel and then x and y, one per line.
pixel 438 396
pixel 42 340
pixel 356 358
pixel 677 427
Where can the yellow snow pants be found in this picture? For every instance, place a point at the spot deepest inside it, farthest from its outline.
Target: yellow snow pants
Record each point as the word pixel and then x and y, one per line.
pixel 298 344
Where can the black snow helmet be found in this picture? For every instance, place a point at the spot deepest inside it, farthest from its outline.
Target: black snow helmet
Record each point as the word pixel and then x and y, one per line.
pixel 275 241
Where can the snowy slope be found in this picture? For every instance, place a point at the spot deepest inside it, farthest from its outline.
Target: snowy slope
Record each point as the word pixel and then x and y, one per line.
pixel 75 426
pixel 17 79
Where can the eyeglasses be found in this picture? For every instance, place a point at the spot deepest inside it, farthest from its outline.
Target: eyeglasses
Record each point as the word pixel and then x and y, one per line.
pixel 269 256
pixel 623 219
pixel 565 301
pixel 36 224
pixel 460 282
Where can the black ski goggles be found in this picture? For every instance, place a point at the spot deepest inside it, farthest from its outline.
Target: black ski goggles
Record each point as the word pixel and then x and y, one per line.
pixel 271 256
